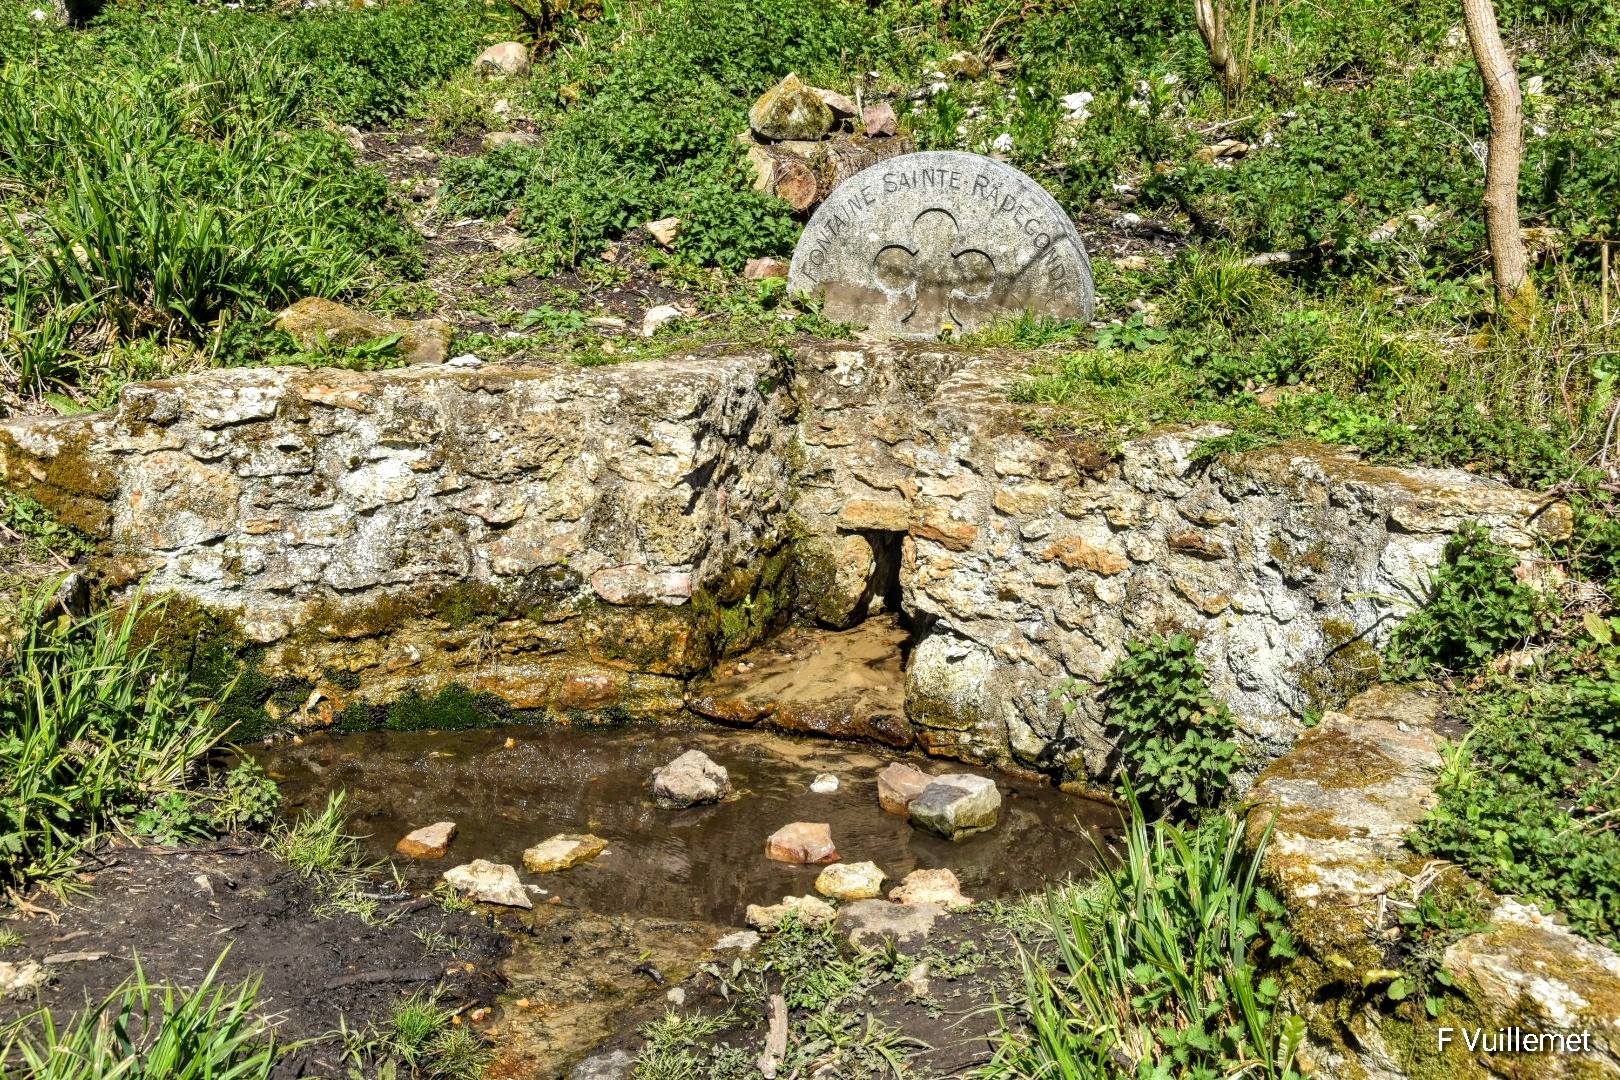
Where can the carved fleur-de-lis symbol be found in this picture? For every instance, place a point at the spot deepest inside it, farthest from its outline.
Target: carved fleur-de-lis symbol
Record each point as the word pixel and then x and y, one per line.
pixel 936 274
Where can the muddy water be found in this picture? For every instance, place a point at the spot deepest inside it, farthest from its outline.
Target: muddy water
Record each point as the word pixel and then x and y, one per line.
pixel 703 864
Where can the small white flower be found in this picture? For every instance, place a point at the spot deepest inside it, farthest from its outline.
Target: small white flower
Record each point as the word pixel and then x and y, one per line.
pixel 39 15
pixel 1002 143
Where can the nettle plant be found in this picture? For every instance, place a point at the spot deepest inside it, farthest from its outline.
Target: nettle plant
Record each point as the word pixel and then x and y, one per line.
pixel 1176 739
pixel 1475 610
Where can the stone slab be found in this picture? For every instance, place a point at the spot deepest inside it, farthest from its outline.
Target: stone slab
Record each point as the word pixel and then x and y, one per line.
pixel 942 239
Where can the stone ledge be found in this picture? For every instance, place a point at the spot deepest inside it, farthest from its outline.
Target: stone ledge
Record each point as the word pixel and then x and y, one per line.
pixel 1339 806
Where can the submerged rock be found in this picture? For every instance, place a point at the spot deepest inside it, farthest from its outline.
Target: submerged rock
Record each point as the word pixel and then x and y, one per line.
pixel 692 779
pixel 957 805
pixel 871 924
pixel 851 881
pixel 562 851
pixel 898 784
pixel 790 110
pixel 811 911
pixel 804 842
pixel 491 883
pixel 825 784
pixel 428 842
pixel 937 887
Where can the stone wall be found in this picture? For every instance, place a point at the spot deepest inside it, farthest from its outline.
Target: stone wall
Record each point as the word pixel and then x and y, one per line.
pixel 1028 560
pixel 588 539
pixel 565 539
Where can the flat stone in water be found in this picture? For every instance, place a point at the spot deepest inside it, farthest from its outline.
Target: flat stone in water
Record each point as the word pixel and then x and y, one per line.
pixel 428 842
pixel 851 881
pixel 562 851
pixel 942 239
pixel 491 883
pixel 957 805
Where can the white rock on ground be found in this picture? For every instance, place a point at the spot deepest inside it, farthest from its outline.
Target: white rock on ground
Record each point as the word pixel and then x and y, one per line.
pixel 508 59
pixel 428 842
pixel 656 318
pixel 811 910
pixel 957 805
pixel 825 784
pixel 740 940
pixel 20 979
pixel 562 851
pixel 665 231
pixel 690 780
pixel 851 881
pixel 491 883
pixel 937 887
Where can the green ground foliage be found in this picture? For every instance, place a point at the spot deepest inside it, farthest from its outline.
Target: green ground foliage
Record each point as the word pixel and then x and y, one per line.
pixel 1528 800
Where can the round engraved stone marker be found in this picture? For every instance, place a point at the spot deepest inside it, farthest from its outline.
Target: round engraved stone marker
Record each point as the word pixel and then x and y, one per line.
pixel 922 242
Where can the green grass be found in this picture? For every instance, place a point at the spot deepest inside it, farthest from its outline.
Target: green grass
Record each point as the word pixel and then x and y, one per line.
pixel 418 1039
pixel 96 732
pixel 144 1031
pixel 1154 968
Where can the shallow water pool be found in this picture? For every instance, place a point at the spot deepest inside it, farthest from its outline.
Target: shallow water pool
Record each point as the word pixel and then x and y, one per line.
pixel 704 864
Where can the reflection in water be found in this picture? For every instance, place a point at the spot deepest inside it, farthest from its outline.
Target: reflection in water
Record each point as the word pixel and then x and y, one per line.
pixel 704 864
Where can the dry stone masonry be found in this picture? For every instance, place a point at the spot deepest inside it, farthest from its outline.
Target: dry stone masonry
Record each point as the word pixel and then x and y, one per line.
pixel 590 541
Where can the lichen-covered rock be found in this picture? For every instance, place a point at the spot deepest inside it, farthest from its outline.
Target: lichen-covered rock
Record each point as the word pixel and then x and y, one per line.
pixel 692 779
pixel 811 911
pixel 316 323
pixel 562 851
pixel 851 881
pixel 1338 808
pixel 489 883
pixel 957 805
pixel 790 110
pixel 1535 974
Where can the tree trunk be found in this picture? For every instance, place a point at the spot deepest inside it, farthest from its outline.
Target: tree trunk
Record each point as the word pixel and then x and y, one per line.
pixel 1510 269
pixel 1212 27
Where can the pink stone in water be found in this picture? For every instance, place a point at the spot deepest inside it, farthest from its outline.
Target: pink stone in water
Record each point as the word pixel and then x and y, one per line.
pixel 802 842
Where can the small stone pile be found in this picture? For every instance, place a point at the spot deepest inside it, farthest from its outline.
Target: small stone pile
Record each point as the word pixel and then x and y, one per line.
pixel 803 140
